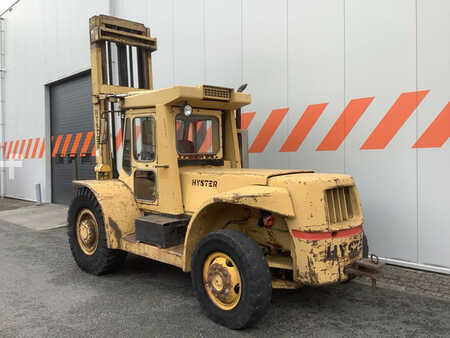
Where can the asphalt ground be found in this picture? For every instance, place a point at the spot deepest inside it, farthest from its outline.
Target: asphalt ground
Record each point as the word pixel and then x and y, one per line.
pixel 44 294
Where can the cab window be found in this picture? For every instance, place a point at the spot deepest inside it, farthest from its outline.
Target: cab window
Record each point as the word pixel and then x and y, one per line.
pixel 144 139
pixel 126 157
pixel 145 185
pixel 197 134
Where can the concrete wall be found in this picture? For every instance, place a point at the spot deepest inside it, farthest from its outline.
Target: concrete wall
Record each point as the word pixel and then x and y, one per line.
pixel 380 70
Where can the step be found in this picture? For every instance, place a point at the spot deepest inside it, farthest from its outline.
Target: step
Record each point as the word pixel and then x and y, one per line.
pixel 161 230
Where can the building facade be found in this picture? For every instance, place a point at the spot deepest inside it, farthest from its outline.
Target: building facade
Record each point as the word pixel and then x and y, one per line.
pixel 358 87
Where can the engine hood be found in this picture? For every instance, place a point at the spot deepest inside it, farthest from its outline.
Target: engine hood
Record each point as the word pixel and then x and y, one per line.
pixel 200 184
pixel 322 202
pixel 260 175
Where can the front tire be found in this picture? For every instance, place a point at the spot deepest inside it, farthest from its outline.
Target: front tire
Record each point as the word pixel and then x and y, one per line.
pixel 231 279
pixel 87 237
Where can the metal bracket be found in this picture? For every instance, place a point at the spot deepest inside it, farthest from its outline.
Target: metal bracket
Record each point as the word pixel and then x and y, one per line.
pixel 369 267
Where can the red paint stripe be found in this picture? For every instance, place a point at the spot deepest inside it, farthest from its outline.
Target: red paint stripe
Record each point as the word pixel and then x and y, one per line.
pixel 118 139
pixel 207 142
pixel 196 127
pixel 86 143
pixel 311 236
pixel 14 154
pixel 93 151
pixel 246 119
pixel 56 146
pixel 437 132
pixel 345 123
pixel 349 232
pixel 394 119
pixel 268 129
pixel 4 148
pixel 178 135
pixel 22 146
pixel 41 153
pixel 303 127
pixel 316 236
pixel 36 143
pixel 27 152
pixel 76 142
pixel 66 145
pixel 189 137
pixel 138 131
pixel 9 149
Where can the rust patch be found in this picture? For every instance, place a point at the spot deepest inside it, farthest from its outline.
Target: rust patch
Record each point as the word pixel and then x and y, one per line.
pixel 235 198
pixel 116 230
pixel 339 270
pixel 312 272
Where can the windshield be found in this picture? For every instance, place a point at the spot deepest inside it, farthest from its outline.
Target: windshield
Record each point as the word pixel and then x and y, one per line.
pixel 198 134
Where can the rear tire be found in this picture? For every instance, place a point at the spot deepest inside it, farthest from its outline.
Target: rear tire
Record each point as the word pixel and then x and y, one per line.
pixel 89 247
pixel 215 261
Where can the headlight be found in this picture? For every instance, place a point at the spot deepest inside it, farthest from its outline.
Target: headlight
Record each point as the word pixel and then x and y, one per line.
pixel 187 110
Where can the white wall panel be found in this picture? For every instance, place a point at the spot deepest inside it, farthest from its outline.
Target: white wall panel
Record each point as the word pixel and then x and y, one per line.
pixel 46 40
pixel 189 42
pixel 223 43
pixel 265 71
pixel 316 75
pixel 136 10
pixel 381 62
pixel 24 116
pixel 433 66
pixel 161 22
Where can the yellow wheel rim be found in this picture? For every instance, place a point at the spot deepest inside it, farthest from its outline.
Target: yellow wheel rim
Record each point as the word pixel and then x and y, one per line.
pixel 87 231
pixel 222 280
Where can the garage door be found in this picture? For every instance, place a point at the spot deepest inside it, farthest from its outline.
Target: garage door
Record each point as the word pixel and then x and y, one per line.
pixel 71 130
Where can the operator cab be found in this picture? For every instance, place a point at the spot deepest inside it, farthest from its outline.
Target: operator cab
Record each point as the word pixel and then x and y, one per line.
pixel 198 141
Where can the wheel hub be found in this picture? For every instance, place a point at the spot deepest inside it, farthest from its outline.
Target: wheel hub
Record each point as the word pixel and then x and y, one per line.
pixel 87 231
pixel 222 280
pixel 219 280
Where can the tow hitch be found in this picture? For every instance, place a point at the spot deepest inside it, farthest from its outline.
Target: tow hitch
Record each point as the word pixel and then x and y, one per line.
pixel 369 267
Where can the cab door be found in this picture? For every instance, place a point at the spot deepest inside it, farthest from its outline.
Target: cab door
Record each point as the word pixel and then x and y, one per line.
pixel 139 159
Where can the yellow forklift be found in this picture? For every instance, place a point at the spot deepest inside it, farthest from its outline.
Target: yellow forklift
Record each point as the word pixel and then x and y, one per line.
pixel 179 195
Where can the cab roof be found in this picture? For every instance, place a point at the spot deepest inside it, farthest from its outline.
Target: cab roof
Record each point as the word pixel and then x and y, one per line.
pixel 203 96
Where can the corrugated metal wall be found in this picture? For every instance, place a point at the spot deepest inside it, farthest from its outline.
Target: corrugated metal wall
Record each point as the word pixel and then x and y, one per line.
pixel 376 61
pixel 70 115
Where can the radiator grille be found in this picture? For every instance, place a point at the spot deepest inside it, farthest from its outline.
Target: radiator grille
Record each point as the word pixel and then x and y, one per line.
pixel 339 204
pixel 216 93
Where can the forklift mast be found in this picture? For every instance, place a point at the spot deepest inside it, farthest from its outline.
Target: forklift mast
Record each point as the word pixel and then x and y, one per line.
pixel 120 63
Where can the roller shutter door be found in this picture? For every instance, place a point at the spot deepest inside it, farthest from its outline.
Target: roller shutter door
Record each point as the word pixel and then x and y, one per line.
pixel 72 138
